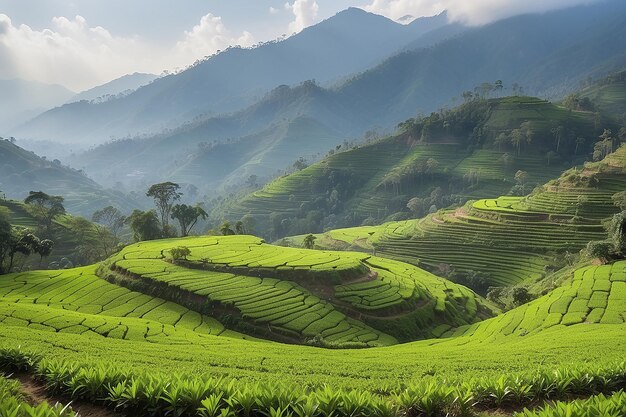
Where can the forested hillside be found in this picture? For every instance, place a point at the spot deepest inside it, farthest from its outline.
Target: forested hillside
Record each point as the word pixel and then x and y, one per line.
pixel 484 148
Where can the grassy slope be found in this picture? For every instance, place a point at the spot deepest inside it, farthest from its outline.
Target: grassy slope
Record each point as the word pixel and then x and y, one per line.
pixel 299 294
pixel 609 95
pixel 595 296
pixel 23 171
pixel 376 169
pixel 509 239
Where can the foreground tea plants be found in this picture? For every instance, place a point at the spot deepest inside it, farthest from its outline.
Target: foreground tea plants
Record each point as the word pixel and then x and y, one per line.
pixel 144 394
pixel 600 405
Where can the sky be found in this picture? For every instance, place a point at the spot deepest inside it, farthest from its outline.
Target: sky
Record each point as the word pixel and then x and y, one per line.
pixel 83 43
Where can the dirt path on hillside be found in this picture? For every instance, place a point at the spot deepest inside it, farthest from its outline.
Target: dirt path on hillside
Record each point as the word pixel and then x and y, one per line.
pixel 36 393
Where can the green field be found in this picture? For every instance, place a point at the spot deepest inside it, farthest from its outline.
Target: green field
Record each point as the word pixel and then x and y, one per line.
pixel 591 311
pixel 509 240
pixel 299 294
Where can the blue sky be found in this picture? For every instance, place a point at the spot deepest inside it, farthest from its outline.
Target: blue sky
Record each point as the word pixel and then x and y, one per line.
pixel 83 43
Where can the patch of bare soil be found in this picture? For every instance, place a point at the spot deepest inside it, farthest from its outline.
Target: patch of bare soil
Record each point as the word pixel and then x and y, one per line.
pixel 36 393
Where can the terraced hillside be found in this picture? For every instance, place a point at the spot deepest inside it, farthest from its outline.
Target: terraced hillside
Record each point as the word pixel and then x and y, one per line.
pixel 298 295
pixel 596 294
pixel 443 159
pixel 77 301
pixel 609 95
pixel 506 240
pixel 538 346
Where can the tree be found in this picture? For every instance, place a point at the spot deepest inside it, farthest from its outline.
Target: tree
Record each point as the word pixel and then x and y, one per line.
pixel 604 146
pixel 517 138
pixel 431 165
pixel 619 200
pixel 617 233
pixel 580 141
pixel 416 205
pixel 309 241
pixel 145 225
pixel 21 241
pixel 44 249
pixel 249 223
pixel 226 230
pixel 551 156
pixel 180 252
pixel 164 195
pixel 521 177
pixel 46 208
pixel 558 132
pixel 520 296
pixel 502 139
pixel 111 218
pixel 5 238
pixel 239 228
pixel 187 216
pixel 602 249
pixel 109 222
pixel 499 86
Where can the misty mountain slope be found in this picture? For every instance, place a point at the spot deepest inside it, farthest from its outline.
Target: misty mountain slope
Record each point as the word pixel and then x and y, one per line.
pixel 548 54
pixel 21 100
pixel 534 48
pixel 141 160
pixel 263 154
pixel 126 83
pixel 351 41
pixel 22 171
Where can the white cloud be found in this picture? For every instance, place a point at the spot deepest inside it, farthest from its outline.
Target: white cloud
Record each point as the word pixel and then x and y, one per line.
pixel 79 56
pixel 473 12
pixel 210 36
pixel 274 10
pixel 304 12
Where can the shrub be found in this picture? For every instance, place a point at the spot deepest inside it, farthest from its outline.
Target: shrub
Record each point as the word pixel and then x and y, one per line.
pixel 180 252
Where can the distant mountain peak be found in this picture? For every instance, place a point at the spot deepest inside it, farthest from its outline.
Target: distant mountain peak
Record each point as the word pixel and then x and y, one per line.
pixel 407 18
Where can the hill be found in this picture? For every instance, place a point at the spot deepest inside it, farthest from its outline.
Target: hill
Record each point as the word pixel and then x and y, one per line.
pixel 351 41
pixel 504 241
pixel 443 159
pixel 608 95
pixel 123 85
pixel 22 171
pixel 220 151
pixel 531 344
pixel 22 100
pixel 297 295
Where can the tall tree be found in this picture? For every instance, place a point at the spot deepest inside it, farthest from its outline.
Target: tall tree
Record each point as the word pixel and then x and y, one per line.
pixel 187 216
pixel 309 241
pixel 145 225
pixel 111 218
pixel 46 208
pixel 109 223
pixel 44 249
pixel 164 195
pixel 226 230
